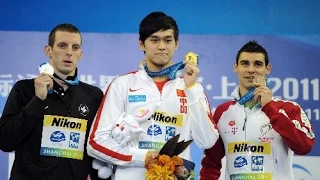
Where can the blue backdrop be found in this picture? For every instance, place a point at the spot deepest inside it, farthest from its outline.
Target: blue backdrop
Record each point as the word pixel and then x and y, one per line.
pixel 215 30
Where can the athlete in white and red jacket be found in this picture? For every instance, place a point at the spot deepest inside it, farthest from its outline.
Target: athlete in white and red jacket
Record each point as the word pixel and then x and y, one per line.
pixel 179 105
pixel 259 137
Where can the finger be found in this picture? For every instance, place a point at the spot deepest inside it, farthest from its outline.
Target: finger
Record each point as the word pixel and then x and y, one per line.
pixel 259 81
pixel 46 81
pixel 195 67
pixel 257 98
pixel 43 78
pixel 188 69
pixel 257 95
pixel 45 74
pixel 192 68
pixel 50 84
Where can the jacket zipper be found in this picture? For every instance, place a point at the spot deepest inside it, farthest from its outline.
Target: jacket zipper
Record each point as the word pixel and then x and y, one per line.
pixel 245 124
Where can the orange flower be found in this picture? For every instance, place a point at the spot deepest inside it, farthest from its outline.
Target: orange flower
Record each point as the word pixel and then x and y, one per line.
pixel 164 159
pixel 177 161
pixel 162 167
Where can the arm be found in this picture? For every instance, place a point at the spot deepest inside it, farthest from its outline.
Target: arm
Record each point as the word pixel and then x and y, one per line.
pixel 101 145
pixel 291 122
pixel 211 162
pixel 18 119
pixel 203 129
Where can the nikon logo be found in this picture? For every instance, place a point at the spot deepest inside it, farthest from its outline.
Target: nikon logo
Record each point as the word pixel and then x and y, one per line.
pixel 163 118
pixel 244 147
pixel 63 122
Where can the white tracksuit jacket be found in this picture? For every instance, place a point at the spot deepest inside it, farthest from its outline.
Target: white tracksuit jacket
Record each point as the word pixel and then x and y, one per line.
pixel 258 143
pixel 178 111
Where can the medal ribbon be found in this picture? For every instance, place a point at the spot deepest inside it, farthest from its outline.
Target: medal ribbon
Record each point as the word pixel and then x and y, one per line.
pixel 248 96
pixel 171 71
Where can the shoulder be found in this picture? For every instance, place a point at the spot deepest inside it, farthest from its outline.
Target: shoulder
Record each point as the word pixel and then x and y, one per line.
pixel 24 84
pixel 122 80
pixel 285 104
pixel 223 108
pixel 92 90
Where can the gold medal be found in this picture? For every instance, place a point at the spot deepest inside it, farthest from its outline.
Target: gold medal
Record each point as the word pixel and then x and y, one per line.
pixel 190 56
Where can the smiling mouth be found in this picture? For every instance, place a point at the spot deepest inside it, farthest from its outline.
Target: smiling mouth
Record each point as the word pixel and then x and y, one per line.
pixel 162 54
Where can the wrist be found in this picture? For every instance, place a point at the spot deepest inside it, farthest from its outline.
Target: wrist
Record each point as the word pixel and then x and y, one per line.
pixel 190 86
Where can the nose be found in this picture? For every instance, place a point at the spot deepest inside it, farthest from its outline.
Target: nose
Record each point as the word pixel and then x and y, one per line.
pixel 69 51
pixel 122 128
pixel 251 69
pixel 161 45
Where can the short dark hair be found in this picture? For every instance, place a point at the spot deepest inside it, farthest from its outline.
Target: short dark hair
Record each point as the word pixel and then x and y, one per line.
pixel 253 47
pixel 62 27
pixel 157 21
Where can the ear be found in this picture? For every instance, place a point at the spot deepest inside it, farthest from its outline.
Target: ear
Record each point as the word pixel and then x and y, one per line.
pixel 177 45
pixel 142 46
pixel 235 65
pixel 268 69
pixel 48 51
pixel 81 54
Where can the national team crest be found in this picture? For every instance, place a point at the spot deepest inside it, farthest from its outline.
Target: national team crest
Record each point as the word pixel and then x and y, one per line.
pixel 83 109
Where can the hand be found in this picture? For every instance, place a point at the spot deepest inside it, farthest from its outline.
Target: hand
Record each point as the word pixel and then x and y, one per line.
pixel 191 73
pixel 151 158
pixel 42 84
pixel 262 93
pixel 152 154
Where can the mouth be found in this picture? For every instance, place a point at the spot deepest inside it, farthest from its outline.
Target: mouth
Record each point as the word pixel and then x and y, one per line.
pixel 161 54
pixel 67 61
pixel 249 77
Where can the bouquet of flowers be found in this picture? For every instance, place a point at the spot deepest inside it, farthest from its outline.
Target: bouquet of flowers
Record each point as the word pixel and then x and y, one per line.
pixel 168 165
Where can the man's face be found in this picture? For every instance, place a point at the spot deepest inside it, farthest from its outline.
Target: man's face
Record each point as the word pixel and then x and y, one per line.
pixel 65 53
pixel 159 48
pixel 249 66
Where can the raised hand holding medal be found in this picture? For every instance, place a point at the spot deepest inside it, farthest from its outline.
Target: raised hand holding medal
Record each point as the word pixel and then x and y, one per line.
pixel 189 64
pixel 262 93
pixel 191 69
pixel 43 84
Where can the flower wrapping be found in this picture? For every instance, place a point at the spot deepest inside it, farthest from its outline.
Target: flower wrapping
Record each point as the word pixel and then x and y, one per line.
pixel 168 165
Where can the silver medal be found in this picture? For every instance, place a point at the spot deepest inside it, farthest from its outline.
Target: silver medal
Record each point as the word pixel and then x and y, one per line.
pixel 46 68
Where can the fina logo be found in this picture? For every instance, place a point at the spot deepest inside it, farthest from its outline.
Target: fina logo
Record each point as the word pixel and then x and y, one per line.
pixel 57 136
pixel 240 162
pixel 154 130
pixel 301 172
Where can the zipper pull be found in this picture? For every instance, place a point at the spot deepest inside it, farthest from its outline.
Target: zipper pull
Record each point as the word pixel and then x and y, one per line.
pixel 244 124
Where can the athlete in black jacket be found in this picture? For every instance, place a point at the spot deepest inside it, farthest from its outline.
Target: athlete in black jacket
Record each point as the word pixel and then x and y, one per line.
pixel 46 120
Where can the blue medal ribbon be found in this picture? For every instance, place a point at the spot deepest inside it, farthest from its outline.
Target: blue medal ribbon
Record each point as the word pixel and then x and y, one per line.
pixel 171 71
pixel 73 82
pixel 47 68
pixel 248 96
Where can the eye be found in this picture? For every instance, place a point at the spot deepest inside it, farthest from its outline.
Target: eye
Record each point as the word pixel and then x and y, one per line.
pixel 259 64
pixel 62 45
pixel 154 40
pixel 76 47
pixel 244 63
pixel 168 40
